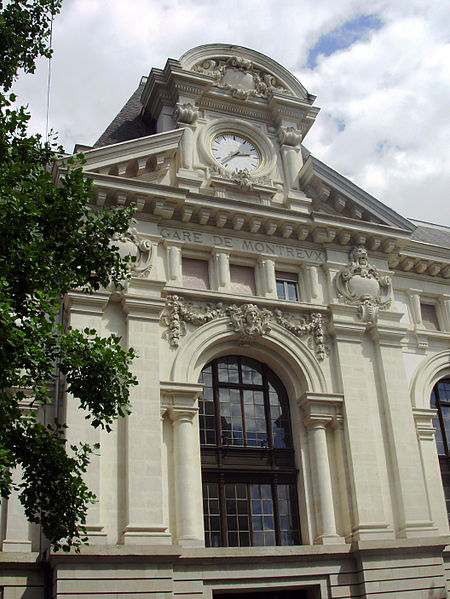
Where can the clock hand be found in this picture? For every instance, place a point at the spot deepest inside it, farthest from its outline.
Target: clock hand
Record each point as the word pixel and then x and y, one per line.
pixel 230 156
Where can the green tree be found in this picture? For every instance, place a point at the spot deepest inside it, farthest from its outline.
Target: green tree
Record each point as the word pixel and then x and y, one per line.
pixel 50 242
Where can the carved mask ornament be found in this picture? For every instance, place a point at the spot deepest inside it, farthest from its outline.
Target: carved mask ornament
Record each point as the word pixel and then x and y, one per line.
pixel 360 284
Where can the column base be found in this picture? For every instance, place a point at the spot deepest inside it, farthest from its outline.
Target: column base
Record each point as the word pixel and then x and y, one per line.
pixel 96 534
pixel 16 546
pixel 329 540
pixel 190 542
pixel 371 531
pixel 146 535
pixel 416 529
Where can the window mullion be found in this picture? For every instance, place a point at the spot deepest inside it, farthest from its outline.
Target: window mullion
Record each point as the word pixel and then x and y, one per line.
pixel 223 511
pixel 276 510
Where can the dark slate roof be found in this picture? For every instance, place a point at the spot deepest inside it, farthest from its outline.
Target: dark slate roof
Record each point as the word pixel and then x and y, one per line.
pixel 128 124
pixel 429 233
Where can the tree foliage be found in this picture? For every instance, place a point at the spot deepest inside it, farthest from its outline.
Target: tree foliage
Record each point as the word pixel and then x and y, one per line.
pixel 50 242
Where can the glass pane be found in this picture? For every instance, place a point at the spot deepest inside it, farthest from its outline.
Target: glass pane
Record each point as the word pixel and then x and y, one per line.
pixel 238 523
pixel 211 514
pixel 206 408
pixel 263 525
pixel 255 420
pixel 292 291
pixel 289 529
pixel 251 372
pixel 231 416
pixel 445 411
pixel 279 414
pixel 228 370
pixel 281 293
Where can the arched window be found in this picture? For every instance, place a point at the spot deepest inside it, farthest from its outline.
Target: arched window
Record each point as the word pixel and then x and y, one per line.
pixel 440 401
pixel 248 462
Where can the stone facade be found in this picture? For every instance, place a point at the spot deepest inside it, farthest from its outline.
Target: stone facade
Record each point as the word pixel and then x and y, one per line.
pixel 352 345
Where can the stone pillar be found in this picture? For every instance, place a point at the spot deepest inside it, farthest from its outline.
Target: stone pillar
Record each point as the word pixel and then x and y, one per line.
pixel 174 270
pixel 267 269
pixel 16 535
pixel 222 261
pixel 344 502
pixel 430 467
pixel 319 412
pixel 144 516
pixel 410 497
pixel 313 282
pixel 369 500
pixel 183 412
pixel 446 311
pixel 86 311
pixel 414 299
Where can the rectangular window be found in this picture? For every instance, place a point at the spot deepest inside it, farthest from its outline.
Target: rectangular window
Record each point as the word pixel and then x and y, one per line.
pixel 195 273
pixel 287 286
pixel 429 317
pixel 242 280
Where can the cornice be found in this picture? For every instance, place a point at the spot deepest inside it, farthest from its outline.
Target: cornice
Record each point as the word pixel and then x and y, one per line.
pixel 340 184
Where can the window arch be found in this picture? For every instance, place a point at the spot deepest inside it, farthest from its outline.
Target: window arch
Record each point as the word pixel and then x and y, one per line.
pixel 248 463
pixel 440 401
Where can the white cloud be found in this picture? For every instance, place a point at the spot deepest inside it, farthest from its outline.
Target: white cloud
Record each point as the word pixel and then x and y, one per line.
pixel 391 90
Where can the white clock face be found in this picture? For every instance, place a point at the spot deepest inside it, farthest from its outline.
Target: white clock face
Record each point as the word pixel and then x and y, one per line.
pixel 235 153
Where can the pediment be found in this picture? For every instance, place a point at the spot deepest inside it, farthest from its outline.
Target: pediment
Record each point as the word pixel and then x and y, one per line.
pixel 144 158
pixel 334 194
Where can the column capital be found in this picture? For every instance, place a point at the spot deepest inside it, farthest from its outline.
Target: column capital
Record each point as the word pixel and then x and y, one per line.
pixel 320 407
pixel 181 414
pixel 140 308
pixel 86 303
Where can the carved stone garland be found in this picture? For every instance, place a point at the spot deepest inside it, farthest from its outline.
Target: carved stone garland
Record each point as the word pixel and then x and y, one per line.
pixel 241 77
pixel 360 284
pixel 248 320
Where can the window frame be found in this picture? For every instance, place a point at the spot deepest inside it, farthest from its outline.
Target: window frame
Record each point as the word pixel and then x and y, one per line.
pixel 438 403
pixel 286 279
pixel 225 463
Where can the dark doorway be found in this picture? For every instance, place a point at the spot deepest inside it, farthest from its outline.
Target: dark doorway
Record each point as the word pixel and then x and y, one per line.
pixel 292 594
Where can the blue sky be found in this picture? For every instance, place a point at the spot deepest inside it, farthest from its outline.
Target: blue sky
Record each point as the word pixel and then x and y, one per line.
pixel 353 30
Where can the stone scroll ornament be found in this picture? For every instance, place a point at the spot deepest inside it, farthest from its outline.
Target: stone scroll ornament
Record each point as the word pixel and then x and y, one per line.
pixel 241 77
pixel 247 320
pixel 130 244
pixel 360 284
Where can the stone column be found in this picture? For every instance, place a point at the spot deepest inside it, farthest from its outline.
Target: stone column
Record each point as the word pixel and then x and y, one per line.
pixel 430 467
pixel 414 299
pixel 313 282
pixel 183 412
pixel 144 516
pixel 267 270
pixel 16 527
pixel 342 475
pixel 319 411
pixel 87 311
pixel 222 261
pixel 410 497
pixel 174 270
pixel 369 492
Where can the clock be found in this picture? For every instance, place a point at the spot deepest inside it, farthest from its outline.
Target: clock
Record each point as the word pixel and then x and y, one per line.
pixel 235 153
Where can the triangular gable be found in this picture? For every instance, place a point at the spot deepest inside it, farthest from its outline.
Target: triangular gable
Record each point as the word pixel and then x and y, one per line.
pixel 136 157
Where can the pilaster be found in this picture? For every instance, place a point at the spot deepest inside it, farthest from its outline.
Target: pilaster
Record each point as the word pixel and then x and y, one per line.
pixel 368 502
pixel 16 533
pixel 423 418
pixel 267 270
pixel 144 517
pixel 86 311
pixel 180 401
pixel 319 411
pixel 410 501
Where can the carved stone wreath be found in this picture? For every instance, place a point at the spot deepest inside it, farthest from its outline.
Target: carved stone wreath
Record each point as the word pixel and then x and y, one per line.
pixel 248 320
pixel 130 244
pixel 360 284
pixel 243 179
pixel 241 77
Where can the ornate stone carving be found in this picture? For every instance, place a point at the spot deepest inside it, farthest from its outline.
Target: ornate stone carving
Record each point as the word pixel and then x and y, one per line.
pixel 241 77
pixel 289 136
pixel 360 284
pixel 186 113
pixel 131 244
pixel 248 320
pixel 242 178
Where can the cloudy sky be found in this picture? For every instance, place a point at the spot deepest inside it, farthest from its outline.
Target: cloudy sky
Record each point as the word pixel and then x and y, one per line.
pixel 380 70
